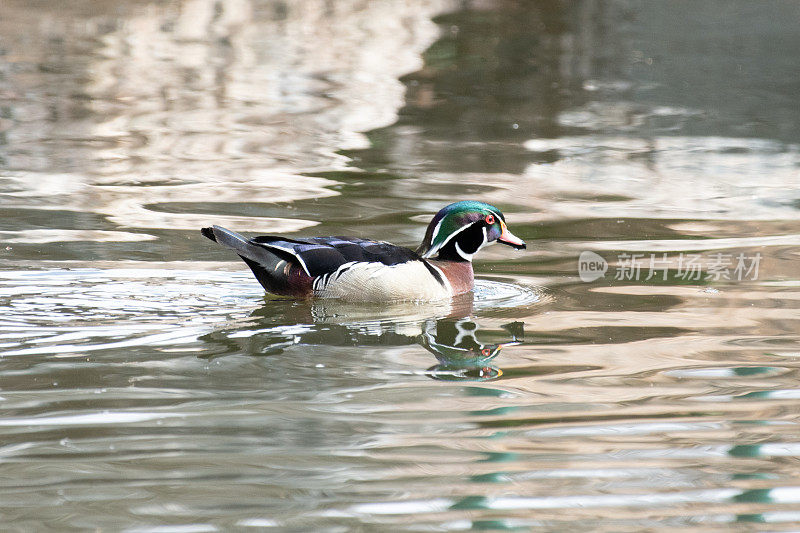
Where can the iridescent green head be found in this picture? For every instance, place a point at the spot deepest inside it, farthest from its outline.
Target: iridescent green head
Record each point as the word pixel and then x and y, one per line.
pixel 459 230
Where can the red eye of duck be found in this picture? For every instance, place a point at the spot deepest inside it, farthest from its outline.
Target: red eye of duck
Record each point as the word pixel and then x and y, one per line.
pixel 490 219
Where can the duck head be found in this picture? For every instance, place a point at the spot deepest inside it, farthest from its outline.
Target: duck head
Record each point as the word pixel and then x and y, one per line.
pixel 459 230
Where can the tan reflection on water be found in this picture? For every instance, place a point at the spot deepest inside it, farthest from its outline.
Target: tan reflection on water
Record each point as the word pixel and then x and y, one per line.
pixel 187 101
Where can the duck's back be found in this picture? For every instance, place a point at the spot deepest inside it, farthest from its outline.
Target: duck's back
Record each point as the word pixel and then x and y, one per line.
pixel 323 255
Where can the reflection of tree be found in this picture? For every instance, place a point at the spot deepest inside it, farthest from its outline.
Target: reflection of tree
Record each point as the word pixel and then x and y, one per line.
pixel 490 70
pixel 496 77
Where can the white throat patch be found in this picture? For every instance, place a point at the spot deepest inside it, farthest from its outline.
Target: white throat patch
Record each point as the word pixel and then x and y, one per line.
pixel 468 257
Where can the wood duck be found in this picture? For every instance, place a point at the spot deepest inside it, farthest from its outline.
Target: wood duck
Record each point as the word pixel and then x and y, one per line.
pixel 374 271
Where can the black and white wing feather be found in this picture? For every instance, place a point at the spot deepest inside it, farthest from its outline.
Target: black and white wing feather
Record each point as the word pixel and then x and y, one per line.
pixel 324 255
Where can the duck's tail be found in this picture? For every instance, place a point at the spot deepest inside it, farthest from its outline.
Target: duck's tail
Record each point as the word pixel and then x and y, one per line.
pixel 268 267
pixel 228 238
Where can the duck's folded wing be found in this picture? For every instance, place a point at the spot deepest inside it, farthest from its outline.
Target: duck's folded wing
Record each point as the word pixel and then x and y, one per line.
pixel 322 255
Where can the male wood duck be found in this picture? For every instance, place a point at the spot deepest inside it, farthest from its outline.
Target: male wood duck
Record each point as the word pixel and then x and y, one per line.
pixel 374 271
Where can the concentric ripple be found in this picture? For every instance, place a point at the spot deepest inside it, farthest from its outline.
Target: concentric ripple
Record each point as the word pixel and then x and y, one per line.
pixel 499 294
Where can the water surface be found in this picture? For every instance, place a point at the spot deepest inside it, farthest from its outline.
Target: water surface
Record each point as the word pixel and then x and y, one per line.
pixel 147 384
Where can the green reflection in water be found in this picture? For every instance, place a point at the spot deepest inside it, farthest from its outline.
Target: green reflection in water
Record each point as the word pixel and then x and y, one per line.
pixel 495 412
pixel 492 477
pixel 755 496
pixel 500 457
pixel 745 450
pixel 754 475
pixel 758 518
pixel 472 502
pixel 495 525
pixel 483 391
pixel 754 370
pixel 770 394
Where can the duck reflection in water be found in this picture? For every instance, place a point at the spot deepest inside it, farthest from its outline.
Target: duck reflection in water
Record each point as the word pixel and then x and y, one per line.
pixel 460 354
pixel 446 329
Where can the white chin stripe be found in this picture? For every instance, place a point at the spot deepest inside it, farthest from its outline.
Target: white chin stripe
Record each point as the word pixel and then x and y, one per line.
pixel 464 255
pixel 435 249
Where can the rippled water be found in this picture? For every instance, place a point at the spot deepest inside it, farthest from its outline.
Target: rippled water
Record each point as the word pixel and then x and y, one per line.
pixel 147 384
